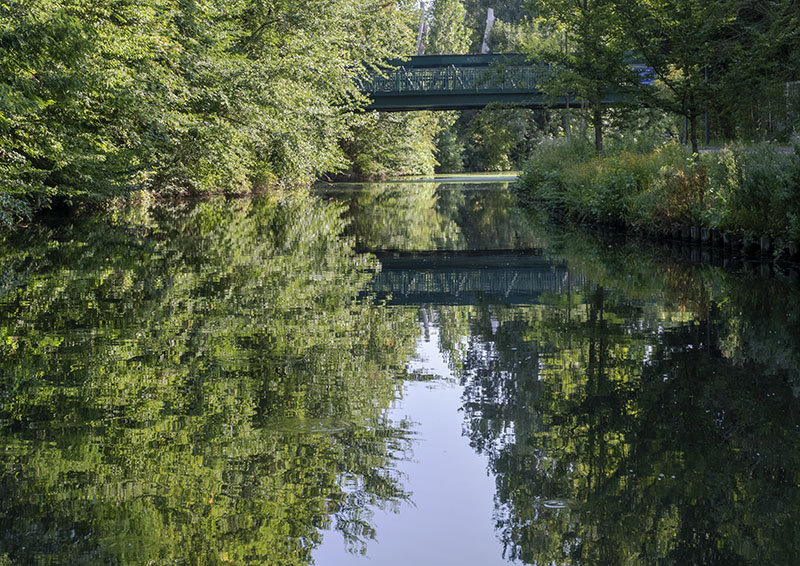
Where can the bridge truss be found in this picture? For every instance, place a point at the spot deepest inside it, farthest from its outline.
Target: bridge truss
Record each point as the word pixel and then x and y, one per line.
pixel 460 82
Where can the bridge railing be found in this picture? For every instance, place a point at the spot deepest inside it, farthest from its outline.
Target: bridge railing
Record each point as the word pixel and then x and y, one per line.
pixel 458 82
pixel 454 79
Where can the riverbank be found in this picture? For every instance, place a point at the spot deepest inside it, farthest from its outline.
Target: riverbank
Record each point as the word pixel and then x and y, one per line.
pixel 743 199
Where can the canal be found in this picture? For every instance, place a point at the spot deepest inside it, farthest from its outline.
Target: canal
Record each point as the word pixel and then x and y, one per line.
pixel 416 372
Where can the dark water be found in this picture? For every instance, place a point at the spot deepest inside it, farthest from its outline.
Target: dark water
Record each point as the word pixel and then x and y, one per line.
pixel 408 373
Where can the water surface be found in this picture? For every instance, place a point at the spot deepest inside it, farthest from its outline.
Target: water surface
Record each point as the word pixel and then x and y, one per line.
pixel 394 373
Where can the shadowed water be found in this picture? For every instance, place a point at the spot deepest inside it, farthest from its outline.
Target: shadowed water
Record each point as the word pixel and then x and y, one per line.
pixel 387 374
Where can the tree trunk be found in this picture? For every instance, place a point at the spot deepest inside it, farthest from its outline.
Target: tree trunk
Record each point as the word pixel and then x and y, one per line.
pixel 597 122
pixel 693 133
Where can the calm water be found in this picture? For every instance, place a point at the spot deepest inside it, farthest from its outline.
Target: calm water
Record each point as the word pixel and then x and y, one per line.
pixel 389 374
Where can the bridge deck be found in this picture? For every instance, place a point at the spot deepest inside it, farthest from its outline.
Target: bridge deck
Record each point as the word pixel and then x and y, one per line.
pixel 459 82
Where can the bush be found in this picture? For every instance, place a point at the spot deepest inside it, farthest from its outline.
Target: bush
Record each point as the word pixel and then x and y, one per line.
pixel 755 190
pixel 637 189
pixel 542 174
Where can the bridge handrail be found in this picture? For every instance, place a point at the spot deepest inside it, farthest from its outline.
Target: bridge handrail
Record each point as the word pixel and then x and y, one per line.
pixel 454 79
pixel 448 82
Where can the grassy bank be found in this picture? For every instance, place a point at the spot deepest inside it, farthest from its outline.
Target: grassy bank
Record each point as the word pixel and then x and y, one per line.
pixel 752 191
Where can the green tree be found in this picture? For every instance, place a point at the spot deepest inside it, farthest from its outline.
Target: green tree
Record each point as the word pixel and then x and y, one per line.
pixel 448 32
pixel 390 144
pixel 588 51
pixel 754 56
pixel 448 35
pixel 497 137
pixel 509 11
pixel 100 98
pixel 676 39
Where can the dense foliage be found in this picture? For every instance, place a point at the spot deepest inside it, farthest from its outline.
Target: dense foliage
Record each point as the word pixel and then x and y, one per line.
pixel 100 98
pixel 700 57
pixel 385 144
pixel 731 66
pixel 97 98
pixel 755 190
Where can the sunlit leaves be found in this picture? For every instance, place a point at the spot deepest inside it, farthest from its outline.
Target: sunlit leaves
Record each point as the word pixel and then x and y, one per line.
pixel 102 97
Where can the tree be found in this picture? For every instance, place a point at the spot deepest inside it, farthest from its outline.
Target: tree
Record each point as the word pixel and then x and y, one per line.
pixel 729 58
pixel 754 56
pixel 587 50
pixel 382 144
pixel 677 40
pixel 103 97
pixel 448 30
pixel 506 11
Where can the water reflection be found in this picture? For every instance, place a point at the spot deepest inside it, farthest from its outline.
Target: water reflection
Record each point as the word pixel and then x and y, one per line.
pixel 411 216
pixel 194 384
pixel 634 410
pixel 652 423
pixel 217 382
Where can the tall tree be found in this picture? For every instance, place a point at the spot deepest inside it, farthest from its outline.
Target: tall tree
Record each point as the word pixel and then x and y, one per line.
pixel 506 11
pixel 678 39
pixel 755 54
pixel 99 97
pixel 590 51
pixel 449 32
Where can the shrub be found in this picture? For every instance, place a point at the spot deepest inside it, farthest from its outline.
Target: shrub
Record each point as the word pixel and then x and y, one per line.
pixel 791 197
pixel 687 192
pixel 755 189
pixel 637 189
pixel 542 174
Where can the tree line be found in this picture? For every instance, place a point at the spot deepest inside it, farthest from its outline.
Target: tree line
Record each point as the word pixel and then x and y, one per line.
pixel 98 98
pixel 728 58
pixel 729 68
pixel 101 98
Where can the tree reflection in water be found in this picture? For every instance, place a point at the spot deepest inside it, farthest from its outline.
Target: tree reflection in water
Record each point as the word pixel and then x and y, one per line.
pixel 649 423
pixel 194 383
pixel 643 413
pixel 411 216
pixel 207 383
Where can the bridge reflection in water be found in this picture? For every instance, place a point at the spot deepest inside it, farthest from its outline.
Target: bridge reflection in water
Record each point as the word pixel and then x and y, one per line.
pixel 470 278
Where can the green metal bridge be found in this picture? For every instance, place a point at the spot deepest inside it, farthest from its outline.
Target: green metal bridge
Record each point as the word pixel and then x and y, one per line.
pixel 461 82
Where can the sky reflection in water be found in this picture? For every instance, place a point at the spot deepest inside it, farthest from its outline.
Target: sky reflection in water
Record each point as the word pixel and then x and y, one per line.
pixel 403 373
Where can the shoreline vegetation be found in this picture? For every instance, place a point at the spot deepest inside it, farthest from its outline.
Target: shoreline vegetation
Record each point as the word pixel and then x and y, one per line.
pixel 101 101
pixel 745 199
